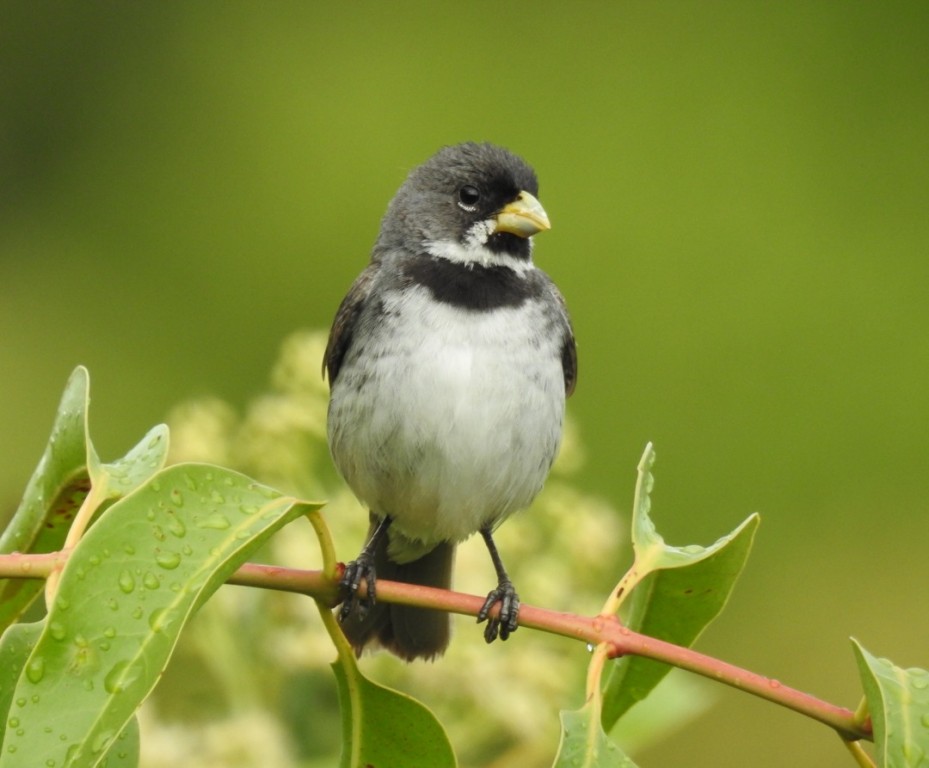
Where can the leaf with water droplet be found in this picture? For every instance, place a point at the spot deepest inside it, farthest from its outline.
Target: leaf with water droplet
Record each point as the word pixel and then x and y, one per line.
pixel 676 594
pixel 124 475
pixel 126 581
pixel 16 646
pixel 35 669
pixel 61 482
pixel 215 520
pixel 168 560
pixel 898 702
pixel 83 690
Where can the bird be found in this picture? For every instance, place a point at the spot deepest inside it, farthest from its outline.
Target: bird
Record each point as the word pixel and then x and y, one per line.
pixel 449 363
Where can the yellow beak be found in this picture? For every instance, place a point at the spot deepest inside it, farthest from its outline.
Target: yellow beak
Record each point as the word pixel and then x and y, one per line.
pixel 523 217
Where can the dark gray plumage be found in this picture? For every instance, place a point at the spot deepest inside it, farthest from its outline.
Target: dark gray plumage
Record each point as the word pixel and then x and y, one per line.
pixel 449 362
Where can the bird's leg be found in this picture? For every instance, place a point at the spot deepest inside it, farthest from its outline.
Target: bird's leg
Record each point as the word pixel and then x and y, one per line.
pixel 507 620
pixel 362 568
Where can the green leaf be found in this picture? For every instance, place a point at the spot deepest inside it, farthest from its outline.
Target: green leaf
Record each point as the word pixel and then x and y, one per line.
pixel 15 646
pixel 898 701
pixel 383 727
pixel 125 749
pixel 68 470
pixel 585 745
pixel 119 478
pixel 126 592
pixel 678 592
pixel 52 497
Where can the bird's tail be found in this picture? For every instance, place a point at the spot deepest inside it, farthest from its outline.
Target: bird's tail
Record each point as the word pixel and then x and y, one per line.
pixel 408 632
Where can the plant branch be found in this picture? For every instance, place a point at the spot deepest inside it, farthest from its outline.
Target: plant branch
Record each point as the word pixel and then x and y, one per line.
pixel 621 641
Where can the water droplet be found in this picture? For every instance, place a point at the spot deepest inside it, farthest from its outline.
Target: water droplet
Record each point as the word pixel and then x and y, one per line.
pixel 11 748
pixel 35 669
pixel 176 527
pixel 121 676
pixel 21 701
pixel 216 497
pixel 186 550
pixel 264 490
pixel 168 560
pixel 129 549
pixel 217 521
pixel 103 645
pixel 177 498
pixel 149 514
pixel 62 603
pixel 137 612
pixel 80 573
pixel 94 559
pixel 109 632
pixel 150 581
pixel 155 485
pixel 13 722
pixel 112 604
pixel 160 618
pixel 102 741
pixel 80 641
pixel 190 482
pixel 249 509
pixel 50 763
pixel 126 582
pixel 158 532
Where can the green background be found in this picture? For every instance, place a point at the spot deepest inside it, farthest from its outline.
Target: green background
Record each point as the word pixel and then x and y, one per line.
pixel 739 195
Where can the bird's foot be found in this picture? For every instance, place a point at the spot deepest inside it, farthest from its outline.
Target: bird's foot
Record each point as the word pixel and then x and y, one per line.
pixel 507 620
pixel 357 571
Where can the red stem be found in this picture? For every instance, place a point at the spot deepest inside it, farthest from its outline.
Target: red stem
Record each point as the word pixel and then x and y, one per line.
pixel 594 630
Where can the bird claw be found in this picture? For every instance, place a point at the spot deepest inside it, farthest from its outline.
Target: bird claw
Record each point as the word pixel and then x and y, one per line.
pixel 357 571
pixel 507 619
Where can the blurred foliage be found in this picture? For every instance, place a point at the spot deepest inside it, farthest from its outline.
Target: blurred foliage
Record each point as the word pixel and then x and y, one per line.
pixel 738 193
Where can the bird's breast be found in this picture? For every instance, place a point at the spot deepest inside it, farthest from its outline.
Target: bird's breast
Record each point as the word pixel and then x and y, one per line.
pixel 445 418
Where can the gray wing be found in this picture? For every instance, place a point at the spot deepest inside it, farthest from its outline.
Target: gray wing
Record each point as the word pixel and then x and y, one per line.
pixel 346 320
pixel 568 345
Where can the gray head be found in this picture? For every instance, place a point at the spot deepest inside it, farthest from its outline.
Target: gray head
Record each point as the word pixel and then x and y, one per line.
pixel 470 203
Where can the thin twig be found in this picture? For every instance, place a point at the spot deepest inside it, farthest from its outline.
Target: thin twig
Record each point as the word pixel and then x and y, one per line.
pixel 595 630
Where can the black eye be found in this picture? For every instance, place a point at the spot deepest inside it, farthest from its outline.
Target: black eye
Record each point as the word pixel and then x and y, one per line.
pixel 468 197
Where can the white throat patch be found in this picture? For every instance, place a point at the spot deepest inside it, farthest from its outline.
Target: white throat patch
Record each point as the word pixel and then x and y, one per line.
pixel 474 251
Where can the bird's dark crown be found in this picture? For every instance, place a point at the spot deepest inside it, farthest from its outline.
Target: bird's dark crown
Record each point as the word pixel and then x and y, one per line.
pixel 437 202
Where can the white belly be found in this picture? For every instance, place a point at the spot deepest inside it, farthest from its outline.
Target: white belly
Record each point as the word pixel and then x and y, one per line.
pixel 456 426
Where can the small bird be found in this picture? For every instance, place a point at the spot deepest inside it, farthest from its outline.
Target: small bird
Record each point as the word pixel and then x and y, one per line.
pixel 449 362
